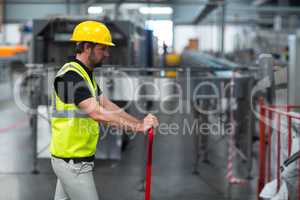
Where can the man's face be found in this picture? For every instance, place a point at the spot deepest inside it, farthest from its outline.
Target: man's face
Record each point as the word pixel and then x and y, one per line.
pixel 97 55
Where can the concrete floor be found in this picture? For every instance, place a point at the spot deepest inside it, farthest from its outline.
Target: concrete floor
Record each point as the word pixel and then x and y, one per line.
pixel 172 166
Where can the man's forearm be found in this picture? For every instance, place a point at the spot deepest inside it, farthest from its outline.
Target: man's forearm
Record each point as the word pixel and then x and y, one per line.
pixel 107 104
pixel 117 119
pixel 129 117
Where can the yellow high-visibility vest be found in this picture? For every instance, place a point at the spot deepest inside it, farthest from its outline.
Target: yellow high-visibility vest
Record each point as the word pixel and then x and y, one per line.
pixel 74 133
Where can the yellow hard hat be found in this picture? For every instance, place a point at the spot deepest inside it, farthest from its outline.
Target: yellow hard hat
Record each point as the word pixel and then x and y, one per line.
pixel 92 31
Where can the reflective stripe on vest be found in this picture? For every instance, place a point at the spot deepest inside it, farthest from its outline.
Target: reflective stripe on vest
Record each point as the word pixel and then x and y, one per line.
pixel 69 113
pixel 74 133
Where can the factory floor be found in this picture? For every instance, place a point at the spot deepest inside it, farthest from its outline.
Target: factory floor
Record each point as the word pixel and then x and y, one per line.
pixel 172 178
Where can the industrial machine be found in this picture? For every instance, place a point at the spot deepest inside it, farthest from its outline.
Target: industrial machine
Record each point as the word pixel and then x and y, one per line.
pixel 12 58
pixel 192 88
pixel 52 41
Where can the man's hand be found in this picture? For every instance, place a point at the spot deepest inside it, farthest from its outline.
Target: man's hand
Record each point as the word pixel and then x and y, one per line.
pixel 148 122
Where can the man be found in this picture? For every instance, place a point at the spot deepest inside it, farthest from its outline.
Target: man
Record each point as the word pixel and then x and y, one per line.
pixel 78 107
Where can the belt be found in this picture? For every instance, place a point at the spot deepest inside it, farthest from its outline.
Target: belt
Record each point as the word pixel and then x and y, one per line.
pixel 77 160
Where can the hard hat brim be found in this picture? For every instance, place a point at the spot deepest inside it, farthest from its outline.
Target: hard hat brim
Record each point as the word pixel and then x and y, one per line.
pixel 104 43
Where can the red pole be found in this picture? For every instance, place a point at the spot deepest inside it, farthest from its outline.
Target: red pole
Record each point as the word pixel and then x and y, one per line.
pixel 278 151
pixel 270 146
pixel 289 133
pixel 149 164
pixel 262 148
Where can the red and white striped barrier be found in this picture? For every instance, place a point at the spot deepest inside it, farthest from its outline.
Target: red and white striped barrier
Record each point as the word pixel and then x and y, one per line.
pixel 267 115
pixel 231 146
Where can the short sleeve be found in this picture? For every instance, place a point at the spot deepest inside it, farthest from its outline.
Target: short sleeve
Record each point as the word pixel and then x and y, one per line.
pixel 71 88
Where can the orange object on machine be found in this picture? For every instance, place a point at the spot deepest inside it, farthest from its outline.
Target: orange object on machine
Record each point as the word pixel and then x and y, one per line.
pixel 9 51
pixel 193 44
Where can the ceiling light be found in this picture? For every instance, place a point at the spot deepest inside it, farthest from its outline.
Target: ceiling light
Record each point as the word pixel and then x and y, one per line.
pixel 95 10
pixel 156 10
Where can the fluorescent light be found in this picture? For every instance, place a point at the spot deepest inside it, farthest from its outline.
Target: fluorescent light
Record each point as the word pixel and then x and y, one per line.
pixel 156 10
pixel 95 10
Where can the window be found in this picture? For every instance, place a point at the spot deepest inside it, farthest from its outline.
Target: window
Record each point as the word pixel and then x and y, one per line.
pixel 163 30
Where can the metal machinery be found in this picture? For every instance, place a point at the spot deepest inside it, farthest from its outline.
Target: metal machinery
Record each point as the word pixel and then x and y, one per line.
pixel 195 87
pixel 224 75
pixel 52 42
pixel 11 60
pixel 293 71
pixel 129 79
pixel 4 77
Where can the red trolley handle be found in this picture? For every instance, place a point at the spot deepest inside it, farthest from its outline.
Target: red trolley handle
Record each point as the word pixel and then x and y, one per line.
pixel 149 164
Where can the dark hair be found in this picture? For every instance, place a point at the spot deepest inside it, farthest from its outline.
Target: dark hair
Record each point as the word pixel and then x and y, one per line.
pixel 80 46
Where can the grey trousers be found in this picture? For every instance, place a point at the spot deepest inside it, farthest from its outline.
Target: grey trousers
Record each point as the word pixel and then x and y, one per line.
pixel 74 181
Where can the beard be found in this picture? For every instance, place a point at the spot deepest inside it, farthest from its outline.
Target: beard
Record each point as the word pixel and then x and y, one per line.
pixel 97 64
pixel 93 61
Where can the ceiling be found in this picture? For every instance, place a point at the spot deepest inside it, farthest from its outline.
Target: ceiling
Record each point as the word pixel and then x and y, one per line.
pixel 187 11
pixel 171 2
